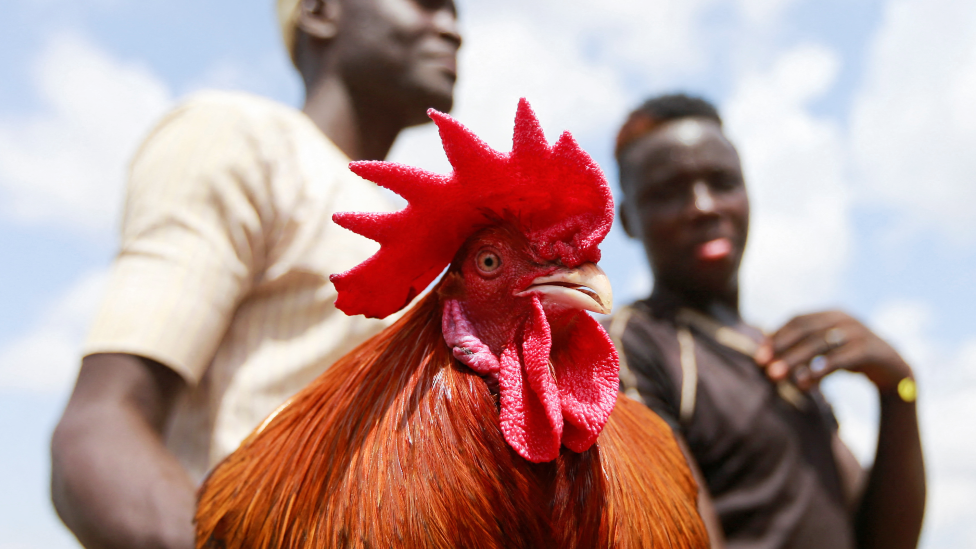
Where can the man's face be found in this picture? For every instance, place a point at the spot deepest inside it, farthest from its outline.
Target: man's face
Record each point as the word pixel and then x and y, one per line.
pixel 401 52
pixel 685 198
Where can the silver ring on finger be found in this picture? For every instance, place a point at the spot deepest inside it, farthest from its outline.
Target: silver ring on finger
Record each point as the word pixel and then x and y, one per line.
pixel 801 372
pixel 818 364
pixel 834 337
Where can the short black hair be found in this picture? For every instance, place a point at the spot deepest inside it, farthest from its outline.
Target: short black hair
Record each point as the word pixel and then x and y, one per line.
pixel 658 110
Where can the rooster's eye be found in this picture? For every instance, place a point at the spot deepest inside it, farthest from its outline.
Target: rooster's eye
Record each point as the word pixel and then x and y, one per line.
pixel 488 261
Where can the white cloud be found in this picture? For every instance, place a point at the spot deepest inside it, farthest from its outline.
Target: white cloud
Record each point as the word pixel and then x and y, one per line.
pixel 581 66
pixel 62 5
pixel 761 11
pixel 946 422
pixel 946 405
pixel 651 39
pixel 913 127
pixel 577 80
pixel 855 403
pixel 16 545
pixel 65 166
pixel 505 58
pixel 964 366
pixel 513 60
pixel 907 325
pixel 794 165
pixel 46 357
pixel 640 283
pixel 269 75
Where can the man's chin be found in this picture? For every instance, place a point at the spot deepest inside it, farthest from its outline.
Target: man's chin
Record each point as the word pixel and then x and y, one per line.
pixel 713 278
pixel 441 100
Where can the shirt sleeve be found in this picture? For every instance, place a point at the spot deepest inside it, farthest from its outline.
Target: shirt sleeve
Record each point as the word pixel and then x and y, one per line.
pixel 655 381
pixel 193 240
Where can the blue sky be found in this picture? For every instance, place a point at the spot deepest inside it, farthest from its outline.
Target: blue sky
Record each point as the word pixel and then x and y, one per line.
pixel 856 121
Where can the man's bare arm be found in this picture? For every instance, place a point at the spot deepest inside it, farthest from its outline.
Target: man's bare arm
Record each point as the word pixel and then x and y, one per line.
pixel 891 510
pixel 852 475
pixel 113 482
pixel 810 347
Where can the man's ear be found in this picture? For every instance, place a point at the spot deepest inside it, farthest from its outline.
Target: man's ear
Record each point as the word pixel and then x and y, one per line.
pixel 625 220
pixel 320 18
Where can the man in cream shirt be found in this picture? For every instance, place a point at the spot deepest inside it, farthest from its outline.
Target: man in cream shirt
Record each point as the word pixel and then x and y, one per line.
pixel 219 307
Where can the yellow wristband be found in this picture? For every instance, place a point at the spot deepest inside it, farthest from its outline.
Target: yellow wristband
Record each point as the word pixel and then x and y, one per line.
pixel 907 391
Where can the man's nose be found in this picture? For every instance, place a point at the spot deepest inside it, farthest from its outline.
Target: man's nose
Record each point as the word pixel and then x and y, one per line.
pixel 445 21
pixel 704 202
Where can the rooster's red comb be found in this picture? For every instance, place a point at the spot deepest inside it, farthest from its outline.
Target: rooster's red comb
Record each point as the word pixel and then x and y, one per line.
pixel 558 196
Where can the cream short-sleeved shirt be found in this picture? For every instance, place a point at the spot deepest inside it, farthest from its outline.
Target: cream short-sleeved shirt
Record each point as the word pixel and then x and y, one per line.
pixel 227 246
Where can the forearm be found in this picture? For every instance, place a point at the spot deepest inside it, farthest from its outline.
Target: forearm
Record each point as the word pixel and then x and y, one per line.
pixel 891 510
pixel 113 482
pixel 114 485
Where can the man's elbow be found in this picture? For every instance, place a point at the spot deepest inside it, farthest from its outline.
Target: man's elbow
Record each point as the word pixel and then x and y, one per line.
pixel 74 456
pixel 64 444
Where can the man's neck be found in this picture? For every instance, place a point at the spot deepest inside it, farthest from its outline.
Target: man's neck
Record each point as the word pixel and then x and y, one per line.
pixel 360 131
pixel 722 306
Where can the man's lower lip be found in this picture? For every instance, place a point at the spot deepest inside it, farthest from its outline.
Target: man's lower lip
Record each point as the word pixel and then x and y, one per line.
pixel 446 70
pixel 713 250
pixel 444 62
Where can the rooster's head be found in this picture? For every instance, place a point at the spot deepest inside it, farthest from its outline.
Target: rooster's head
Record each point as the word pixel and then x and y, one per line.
pixel 521 233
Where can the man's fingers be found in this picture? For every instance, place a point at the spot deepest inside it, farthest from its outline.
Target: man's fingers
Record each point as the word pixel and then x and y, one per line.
pixel 778 370
pixel 811 347
pixel 802 327
pixel 853 357
pixel 764 354
pixel 798 355
pixel 819 367
pixel 847 357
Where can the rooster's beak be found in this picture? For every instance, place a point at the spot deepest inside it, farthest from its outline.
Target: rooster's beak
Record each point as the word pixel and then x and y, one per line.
pixel 585 287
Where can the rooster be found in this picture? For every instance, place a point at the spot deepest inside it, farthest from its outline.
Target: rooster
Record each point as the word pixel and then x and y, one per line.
pixel 488 416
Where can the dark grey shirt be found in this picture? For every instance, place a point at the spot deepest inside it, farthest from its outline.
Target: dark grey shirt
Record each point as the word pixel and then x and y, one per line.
pixel 768 464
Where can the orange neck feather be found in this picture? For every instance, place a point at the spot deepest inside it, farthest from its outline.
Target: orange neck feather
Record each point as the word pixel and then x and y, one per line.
pixel 398 444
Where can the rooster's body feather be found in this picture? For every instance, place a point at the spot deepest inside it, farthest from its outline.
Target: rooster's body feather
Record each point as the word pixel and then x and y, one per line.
pixel 318 475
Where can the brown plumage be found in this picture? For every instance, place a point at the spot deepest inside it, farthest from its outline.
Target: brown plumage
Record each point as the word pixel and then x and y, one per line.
pixel 378 457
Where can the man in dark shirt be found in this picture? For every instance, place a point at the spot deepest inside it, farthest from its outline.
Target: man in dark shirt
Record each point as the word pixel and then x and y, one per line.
pixel 772 471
